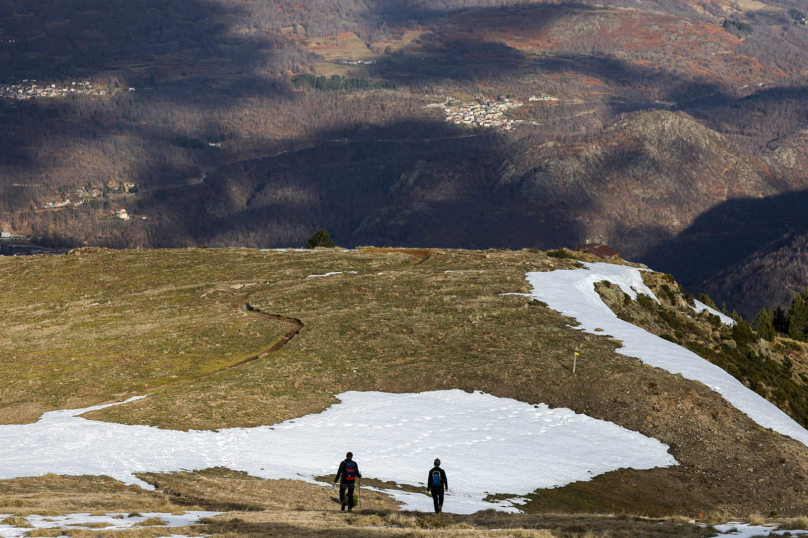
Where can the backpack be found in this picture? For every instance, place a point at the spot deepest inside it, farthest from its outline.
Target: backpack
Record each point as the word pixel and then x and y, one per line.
pixel 436 481
pixel 350 471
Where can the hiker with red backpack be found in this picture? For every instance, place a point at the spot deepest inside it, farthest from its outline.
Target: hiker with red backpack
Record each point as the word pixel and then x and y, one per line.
pixel 348 472
pixel 435 485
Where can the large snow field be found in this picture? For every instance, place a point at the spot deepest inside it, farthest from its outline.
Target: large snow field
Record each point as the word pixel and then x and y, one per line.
pixel 115 521
pixel 573 294
pixel 487 445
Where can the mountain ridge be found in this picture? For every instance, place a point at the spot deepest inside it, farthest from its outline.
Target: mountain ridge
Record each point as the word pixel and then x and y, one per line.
pixel 397 325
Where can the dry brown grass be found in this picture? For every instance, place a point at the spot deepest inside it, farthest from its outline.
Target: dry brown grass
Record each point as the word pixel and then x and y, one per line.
pixel 112 325
pixel 531 533
pixel 59 495
pixel 397 519
pixel 795 523
pixel 717 517
pixel 756 519
pixel 346 45
pixel 222 489
pixel 378 525
pixel 151 522
pixel 16 521
pixel 151 532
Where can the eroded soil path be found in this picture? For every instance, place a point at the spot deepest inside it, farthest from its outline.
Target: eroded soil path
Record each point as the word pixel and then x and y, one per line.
pixel 293 327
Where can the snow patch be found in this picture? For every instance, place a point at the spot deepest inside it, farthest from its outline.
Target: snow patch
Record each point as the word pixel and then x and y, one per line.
pixel 395 437
pixel 572 293
pixel 331 274
pixel 83 520
pixel 726 320
pixel 745 530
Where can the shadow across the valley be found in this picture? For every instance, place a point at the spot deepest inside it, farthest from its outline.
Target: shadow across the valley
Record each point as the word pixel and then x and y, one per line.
pixel 480 44
pixel 148 80
pixel 763 117
pixel 404 184
pixel 212 95
pixel 136 43
pixel 727 234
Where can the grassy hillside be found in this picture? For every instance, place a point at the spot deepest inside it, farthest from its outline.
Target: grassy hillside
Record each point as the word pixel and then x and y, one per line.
pixel 174 323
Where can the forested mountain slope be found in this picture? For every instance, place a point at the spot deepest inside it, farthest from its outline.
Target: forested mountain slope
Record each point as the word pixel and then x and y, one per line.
pixel 627 123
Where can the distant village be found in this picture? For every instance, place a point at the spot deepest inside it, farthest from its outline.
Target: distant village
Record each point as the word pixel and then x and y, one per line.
pixel 84 195
pixel 7 236
pixel 17 244
pixel 355 62
pixel 485 112
pixel 29 89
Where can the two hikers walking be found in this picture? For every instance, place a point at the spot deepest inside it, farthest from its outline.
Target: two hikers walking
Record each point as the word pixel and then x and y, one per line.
pixel 346 475
pixel 436 484
pixel 348 472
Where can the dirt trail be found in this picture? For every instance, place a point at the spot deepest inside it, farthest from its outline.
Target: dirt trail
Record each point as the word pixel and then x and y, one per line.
pixel 294 326
pixel 422 253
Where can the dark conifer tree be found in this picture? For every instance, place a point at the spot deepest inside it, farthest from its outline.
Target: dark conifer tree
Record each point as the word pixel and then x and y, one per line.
pixel 764 325
pixel 742 332
pixel 320 239
pixel 779 320
pixel 704 298
pixel 797 318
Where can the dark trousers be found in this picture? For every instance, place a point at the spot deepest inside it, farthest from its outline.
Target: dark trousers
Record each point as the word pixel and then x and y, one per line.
pixel 343 487
pixel 437 498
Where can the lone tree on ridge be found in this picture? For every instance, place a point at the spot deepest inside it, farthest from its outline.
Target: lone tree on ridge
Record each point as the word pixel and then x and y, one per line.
pixel 320 239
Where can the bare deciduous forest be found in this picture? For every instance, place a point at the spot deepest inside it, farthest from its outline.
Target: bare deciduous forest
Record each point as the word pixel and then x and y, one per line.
pixel 638 125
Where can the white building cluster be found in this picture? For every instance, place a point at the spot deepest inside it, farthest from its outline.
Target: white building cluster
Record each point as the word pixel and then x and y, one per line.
pixel 53 205
pixel 483 113
pixel 542 97
pixel 28 89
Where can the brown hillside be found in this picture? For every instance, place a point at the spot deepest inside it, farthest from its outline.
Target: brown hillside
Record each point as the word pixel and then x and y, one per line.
pixel 694 51
pixel 645 178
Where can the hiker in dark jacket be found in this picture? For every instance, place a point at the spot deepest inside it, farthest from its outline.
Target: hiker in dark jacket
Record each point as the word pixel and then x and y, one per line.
pixel 346 475
pixel 435 485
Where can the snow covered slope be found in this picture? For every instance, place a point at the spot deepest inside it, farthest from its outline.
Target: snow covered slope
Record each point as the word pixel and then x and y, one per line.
pixel 573 294
pixel 487 444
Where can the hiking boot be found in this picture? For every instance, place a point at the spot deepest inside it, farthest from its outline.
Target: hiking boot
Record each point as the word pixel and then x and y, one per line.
pixel 350 508
pixel 343 507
